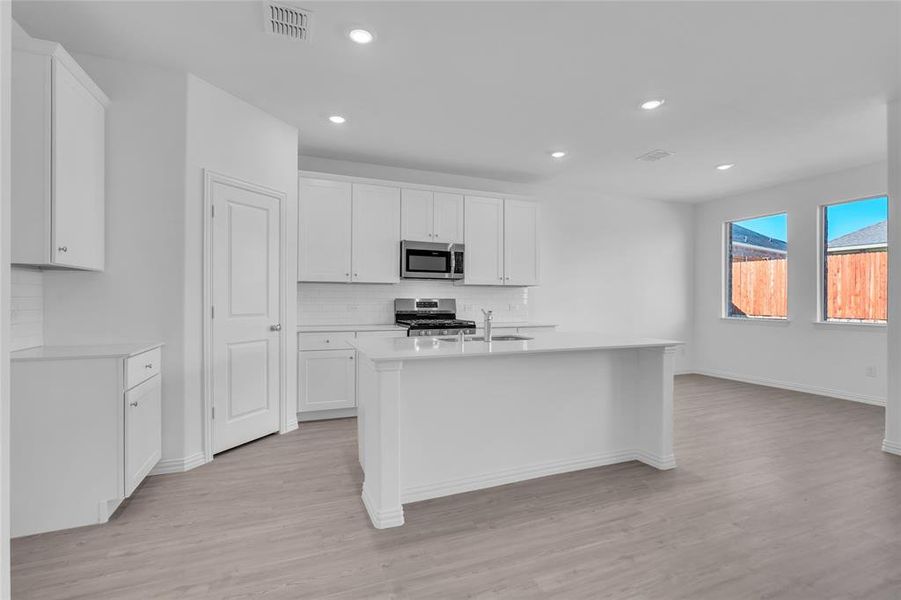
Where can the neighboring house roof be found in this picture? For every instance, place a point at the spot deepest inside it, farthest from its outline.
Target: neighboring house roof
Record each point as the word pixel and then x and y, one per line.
pixel 743 235
pixel 871 236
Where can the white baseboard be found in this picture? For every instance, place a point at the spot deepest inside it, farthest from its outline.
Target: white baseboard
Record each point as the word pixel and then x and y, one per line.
pixel 891 447
pixel 382 519
pixel 468 484
pixel 322 415
pixel 178 465
pixel 795 387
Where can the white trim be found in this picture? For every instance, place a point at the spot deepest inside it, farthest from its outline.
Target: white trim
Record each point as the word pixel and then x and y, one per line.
pixel 382 519
pixel 543 469
pixel 795 387
pixel 758 320
pixel 323 415
pixel 891 447
pixel 179 465
pixel 851 325
pixel 285 420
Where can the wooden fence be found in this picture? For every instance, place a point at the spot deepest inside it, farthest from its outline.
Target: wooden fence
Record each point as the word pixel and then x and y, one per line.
pixel 759 287
pixel 857 286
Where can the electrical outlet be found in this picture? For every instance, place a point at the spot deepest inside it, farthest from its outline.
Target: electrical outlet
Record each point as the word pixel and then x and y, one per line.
pixel 870 371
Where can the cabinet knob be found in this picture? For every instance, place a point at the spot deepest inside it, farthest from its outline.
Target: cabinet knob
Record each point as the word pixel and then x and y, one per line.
pixel 276 327
pixel 328 341
pixel 356 274
pixel 350 357
pixel 63 249
pixel 135 403
pixel 148 366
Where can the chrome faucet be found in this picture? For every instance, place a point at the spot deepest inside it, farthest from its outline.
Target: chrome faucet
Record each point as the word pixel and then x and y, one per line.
pixel 489 316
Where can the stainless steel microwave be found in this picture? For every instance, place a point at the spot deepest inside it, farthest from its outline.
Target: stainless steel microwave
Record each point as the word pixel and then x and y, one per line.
pixel 431 260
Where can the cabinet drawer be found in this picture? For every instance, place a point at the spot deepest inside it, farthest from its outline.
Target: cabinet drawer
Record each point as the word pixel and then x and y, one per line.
pixel 142 367
pixel 336 340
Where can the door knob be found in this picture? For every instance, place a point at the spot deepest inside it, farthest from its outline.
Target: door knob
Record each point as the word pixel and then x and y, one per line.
pixel 63 249
pixel 276 327
pixel 135 403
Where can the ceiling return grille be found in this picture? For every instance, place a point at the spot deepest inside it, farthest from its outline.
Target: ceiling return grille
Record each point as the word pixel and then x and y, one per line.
pixel 286 20
pixel 654 155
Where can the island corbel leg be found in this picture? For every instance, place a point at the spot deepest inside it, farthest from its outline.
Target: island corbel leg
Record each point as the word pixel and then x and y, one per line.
pixel 654 403
pixel 380 399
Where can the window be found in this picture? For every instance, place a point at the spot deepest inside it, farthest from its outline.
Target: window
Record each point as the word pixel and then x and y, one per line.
pixel 855 261
pixel 757 267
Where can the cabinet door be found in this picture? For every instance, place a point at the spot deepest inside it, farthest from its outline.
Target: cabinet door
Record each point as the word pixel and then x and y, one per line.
pixel 78 157
pixel 143 431
pixel 417 215
pixel 448 218
pixel 324 236
pixel 376 234
pixel 326 380
pixel 520 243
pixel 484 238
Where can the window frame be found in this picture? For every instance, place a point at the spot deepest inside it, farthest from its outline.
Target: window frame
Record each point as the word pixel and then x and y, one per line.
pixel 726 288
pixel 822 266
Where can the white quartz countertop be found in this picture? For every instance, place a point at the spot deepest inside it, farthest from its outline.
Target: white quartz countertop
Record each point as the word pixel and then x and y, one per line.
pixel 418 348
pixel 325 328
pixel 393 327
pixel 89 351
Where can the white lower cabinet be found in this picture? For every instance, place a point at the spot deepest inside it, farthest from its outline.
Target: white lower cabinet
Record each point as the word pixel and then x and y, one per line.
pixel 327 373
pixel 327 380
pixel 87 431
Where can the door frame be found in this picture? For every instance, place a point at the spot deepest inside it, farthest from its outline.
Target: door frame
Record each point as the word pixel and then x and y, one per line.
pixel 209 178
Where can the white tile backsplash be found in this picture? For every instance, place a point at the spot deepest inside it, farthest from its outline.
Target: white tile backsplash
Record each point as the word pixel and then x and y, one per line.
pixel 26 326
pixel 371 304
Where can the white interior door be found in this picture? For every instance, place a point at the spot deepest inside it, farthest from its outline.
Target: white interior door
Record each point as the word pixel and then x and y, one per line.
pixel 245 346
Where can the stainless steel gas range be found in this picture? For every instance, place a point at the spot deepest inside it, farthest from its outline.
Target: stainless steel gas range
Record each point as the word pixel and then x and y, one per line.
pixel 430 317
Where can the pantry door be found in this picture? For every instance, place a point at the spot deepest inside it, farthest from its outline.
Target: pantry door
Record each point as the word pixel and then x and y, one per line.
pixel 246 332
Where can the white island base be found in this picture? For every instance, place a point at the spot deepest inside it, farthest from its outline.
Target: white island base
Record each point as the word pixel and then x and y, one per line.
pixel 439 418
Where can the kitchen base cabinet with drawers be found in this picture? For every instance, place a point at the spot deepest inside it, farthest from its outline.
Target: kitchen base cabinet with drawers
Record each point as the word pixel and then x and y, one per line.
pixel 327 373
pixel 87 431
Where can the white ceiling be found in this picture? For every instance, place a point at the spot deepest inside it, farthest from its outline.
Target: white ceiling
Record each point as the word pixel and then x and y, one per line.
pixel 487 89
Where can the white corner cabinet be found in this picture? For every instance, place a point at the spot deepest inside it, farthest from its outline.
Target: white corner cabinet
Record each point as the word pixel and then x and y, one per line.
pixel 428 216
pixel 327 372
pixel 87 431
pixel 348 232
pixel 501 237
pixel 58 211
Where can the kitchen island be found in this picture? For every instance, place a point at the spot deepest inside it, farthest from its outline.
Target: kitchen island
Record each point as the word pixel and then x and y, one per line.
pixel 438 417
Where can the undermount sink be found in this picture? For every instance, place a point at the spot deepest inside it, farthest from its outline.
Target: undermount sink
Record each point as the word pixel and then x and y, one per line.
pixel 494 338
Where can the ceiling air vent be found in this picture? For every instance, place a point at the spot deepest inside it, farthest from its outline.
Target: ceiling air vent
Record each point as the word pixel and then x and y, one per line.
pixel 286 20
pixel 654 155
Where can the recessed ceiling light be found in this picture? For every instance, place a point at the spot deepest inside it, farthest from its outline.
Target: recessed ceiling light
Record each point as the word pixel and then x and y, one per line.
pixel 652 104
pixel 337 119
pixel 361 36
pixel 558 154
pixel 725 166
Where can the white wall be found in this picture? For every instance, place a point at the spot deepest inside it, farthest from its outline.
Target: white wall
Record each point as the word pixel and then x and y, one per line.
pixel 139 295
pixel 26 323
pixel 800 354
pixel 5 56
pixel 233 138
pixel 614 265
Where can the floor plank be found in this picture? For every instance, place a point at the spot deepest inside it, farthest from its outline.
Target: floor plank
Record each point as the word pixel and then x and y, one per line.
pixel 777 494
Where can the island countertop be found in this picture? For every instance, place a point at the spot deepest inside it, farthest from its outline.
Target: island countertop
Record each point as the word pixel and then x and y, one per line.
pixel 421 348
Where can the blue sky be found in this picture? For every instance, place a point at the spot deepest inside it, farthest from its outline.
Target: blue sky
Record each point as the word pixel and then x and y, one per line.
pixel 840 219
pixel 851 216
pixel 774 226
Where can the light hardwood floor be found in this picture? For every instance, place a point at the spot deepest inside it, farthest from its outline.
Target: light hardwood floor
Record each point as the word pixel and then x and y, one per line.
pixel 777 494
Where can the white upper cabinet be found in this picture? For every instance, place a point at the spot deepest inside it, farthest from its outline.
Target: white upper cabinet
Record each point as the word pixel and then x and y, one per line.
pixel 324 239
pixel 484 241
pixel 58 160
pixel 376 234
pixel 520 243
pixel 448 218
pixel 431 216
pixel 501 242
pixel 417 215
